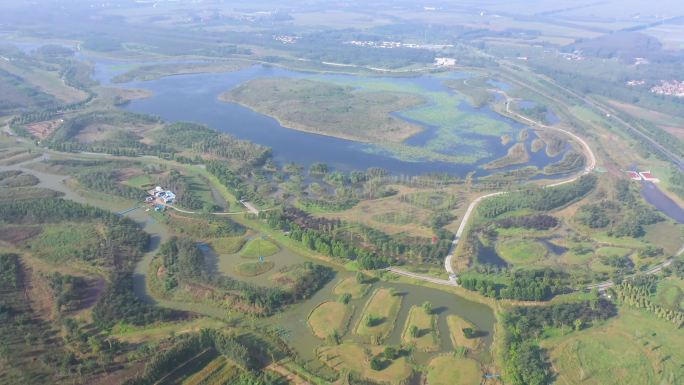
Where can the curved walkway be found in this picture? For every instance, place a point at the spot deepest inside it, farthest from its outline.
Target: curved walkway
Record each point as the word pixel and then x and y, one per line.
pixel 448 266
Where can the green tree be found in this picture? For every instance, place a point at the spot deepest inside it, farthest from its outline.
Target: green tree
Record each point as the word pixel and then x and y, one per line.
pixel 390 353
pixel 414 331
pixel 578 324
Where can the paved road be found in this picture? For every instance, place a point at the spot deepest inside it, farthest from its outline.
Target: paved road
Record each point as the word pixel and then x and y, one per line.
pixel 461 228
pixel 426 278
pixel 448 266
pixel 250 207
pixel 654 270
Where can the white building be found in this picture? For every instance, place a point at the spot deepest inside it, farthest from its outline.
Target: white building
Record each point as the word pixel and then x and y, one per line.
pixel 445 62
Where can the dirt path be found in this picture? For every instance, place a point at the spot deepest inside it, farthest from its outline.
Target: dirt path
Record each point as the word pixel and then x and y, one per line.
pixel 292 378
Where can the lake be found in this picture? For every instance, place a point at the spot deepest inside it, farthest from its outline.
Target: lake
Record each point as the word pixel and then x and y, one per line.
pixel 194 98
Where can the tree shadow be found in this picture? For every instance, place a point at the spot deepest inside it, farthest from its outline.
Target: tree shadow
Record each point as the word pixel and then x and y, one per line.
pixel 439 310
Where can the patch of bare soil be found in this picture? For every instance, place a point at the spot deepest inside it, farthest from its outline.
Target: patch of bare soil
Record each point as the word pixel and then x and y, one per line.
pixel 15 235
pixel 676 131
pixel 38 293
pixel 42 130
pixel 92 294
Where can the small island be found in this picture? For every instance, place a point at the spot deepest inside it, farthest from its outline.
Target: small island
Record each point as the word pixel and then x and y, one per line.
pixel 329 109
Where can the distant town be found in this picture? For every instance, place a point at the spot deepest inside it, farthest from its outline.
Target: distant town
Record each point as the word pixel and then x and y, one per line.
pixel 396 44
pixel 669 88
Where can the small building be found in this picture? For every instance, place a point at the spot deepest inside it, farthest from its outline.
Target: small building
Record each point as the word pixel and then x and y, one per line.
pixel 168 196
pixel 445 62
pixel 647 176
pixel 633 175
pixel 160 194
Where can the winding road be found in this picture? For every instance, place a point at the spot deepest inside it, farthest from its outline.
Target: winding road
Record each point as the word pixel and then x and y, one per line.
pixel 448 265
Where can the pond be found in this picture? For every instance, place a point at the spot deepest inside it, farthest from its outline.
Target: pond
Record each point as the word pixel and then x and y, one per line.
pixel 551 117
pixel 194 98
pixel 653 195
pixel 293 322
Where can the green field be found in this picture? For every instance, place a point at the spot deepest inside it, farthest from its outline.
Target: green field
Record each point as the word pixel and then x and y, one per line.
pixel 670 293
pixel 351 356
pixel 259 248
pixel 634 348
pixel 520 251
pixel 427 339
pixel 66 241
pixel 384 307
pixel 450 370
pixel 329 317
pixel 613 251
pixel 228 245
pixel 139 181
pixel 351 286
pixel 517 154
pixel 456 326
pixel 252 269
pixel 454 125
pixel 328 109
pixel 217 371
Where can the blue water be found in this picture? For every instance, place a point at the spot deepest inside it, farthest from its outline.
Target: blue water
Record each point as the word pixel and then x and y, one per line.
pixel 653 195
pixel 499 84
pixel 551 118
pixel 194 98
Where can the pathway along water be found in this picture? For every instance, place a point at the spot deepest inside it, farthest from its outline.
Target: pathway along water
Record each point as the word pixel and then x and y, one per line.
pixel 448 265
pixel 292 321
pixel 650 192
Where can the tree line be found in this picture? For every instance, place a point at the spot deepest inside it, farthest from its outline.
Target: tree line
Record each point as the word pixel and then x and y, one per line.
pixel 524 285
pixel 525 363
pixel 536 198
pixel 125 244
pixel 190 345
pixel 184 261
pixel 639 297
pixel 536 222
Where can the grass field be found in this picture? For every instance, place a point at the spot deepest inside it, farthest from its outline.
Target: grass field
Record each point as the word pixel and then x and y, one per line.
pixel 427 339
pixel 454 124
pixel 349 285
pixel 138 334
pixel 389 215
pixel 139 180
pixel 228 245
pixel 456 326
pixel 215 372
pixel 611 250
pixel 62 242
pixel 665 234
pixel 329 109
pixel 450 370
pixel 634 348
pixel 351 356
pixel 259 248
pixel 670 293
pixel 252 269
pixel 156 71
pixel 517 154
pixel 329 317
pixel 385 307
pixel 520 251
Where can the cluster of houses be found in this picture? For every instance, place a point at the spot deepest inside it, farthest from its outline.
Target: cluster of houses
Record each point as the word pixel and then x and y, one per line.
pixel 160 195
pixel 669 88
